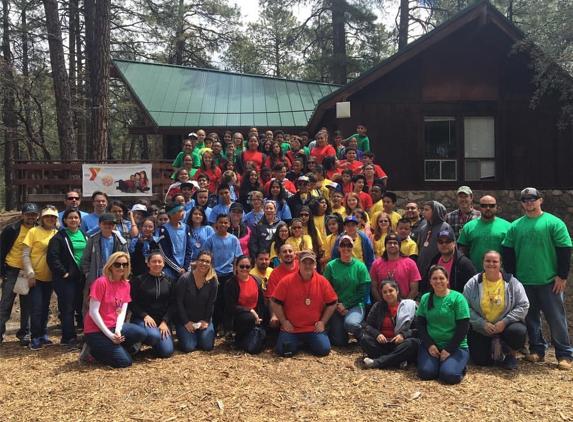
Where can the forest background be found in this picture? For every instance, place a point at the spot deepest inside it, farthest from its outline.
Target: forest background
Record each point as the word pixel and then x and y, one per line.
pixel 59 102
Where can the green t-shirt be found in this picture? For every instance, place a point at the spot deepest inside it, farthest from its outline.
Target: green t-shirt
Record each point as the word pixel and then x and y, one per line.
pixel 196 155
pixel 363 142
pixel 534 241
pixel 79 244
pixel 178 162
pixel 349 281
pixel 285 146
pixel 442 318
pixel 481 236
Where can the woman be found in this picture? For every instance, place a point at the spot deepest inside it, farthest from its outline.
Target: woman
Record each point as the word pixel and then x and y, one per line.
pixel 245 306
pixel 443 324
pixel 281 235
pixel 264 230
pixel 181 176
pixel 300 242
pixel 209 168
pixel 108 338
pixel 277 194
pixel 128 229
pixel 382 226
pixel 308 228
pixel 238 228
pixel 141 247
pixel 238 142
pixel 34 250
pixel 498 306
pixel 276 156
pixel 200 229
pixel 64 258
pixel 322 148
pixel 250 184
pixel 196 293
pixel 390 334
pixel 152 305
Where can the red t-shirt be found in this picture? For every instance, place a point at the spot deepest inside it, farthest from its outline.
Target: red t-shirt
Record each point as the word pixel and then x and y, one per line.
pixel 320 153
pixel 248 293
pixel 366 200
pixel 354 166
pixel 112 296
pixel 277 275
pixel 256 157
pixel 287 184
pixel 387 328
pixel 214 178
pixel 295 293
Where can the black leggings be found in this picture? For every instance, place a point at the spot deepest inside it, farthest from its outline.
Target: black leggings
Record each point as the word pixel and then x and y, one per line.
pixel 389 354
pixel 513 336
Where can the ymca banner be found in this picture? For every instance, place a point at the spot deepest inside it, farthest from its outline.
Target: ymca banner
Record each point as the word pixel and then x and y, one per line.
pixel 117 179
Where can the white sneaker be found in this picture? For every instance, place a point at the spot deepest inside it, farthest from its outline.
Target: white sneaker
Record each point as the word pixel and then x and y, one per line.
pixel 369 363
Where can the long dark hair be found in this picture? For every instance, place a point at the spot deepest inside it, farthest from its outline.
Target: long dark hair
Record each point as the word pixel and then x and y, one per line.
pixel 199 208
pixel 312 232
pixel 278 242
pixel 392 283
pixel 281 200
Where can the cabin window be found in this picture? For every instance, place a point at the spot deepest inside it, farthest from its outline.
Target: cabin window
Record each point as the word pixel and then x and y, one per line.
pixel 440 149
pixel 479 148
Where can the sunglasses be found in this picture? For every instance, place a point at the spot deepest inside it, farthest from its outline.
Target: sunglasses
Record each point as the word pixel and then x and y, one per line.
pixel 345 245
pixel 73 198
pixel 445 242
pixel 245 267
pixel 383 221
pixel 304 215
pixel 488 205
pixel 120 264
pixel 529 199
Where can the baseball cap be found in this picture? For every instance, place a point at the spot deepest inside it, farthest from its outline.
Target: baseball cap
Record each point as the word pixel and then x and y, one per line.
pixel 192 135
pixel 303 179
pixel 448 234
pixel 333 185
pixel 236 206
pixel 190 184
pixel 140 207
pixel 464 189
pixel 347 238
pixel 392 237
pixel 351 219
pixel 307 255
pixel 530 191
pixel 107 217
pixel 30 208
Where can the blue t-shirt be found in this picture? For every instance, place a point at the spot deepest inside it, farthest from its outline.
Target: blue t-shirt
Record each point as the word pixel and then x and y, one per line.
pixel 106 245
pixel 89 222
pixel 146 246
pixel 224 250
pixel 251 218
pixel 218 209
pixel 283 212
pixel 179 241
pixel 198 238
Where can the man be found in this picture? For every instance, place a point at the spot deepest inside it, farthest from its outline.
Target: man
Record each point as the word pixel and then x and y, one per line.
pixel 433 224
pixel 72 200
pixel 465 212
pixel 11 241
pixel 460 268
pixel 362 250
pixel 304 302
pixel 261 268
pixel 412 213
pixel 288 266
pixel 99 201
pixel 98 250
pixel 351 283
pixel 393 264
pixel 483 234
pixel 537 249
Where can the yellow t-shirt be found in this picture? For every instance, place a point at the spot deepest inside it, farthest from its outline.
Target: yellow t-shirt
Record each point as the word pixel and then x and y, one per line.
pixel 14 257
pixel 301 244
pixel 409 247
pixel 341 211
pixel 376 208
pixel 329 244
pixel 493 299
pixel 37 240
pixel 357 249
pixel 264 277
pixel 320 227
pixel 379 246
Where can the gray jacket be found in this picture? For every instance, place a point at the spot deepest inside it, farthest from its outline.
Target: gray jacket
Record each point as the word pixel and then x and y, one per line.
pixel 91 261
pixel 516 302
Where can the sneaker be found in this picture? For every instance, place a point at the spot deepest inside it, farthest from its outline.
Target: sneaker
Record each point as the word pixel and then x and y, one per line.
pixel 369 363
pixel 85 356
pixel 534 357
pixel 46 341
pixel 404 365
pixel 510 363
pixel 228 336
pixel 73 345
pixel 133 350
pixel 35 344
pixel 25 341
pixel 564 364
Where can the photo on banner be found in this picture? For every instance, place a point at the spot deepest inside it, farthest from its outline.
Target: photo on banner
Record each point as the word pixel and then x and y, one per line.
pixel 117 179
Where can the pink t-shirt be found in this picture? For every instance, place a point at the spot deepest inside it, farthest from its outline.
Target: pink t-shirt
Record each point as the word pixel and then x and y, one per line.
pixel 112 296
pixel 404 271
pixel 447 266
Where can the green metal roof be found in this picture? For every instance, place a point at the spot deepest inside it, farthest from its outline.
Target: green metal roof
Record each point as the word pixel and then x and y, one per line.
pixel 184 97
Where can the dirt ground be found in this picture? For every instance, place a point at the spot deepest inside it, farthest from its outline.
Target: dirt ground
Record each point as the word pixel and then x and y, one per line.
pixel 225 385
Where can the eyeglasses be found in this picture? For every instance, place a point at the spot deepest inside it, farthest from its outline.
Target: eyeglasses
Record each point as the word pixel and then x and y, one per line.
pixel 245 267
pixel 204 261
pixel 345 245
pixel 488 205
pixel 73 198
pixel 445 242
pixel 529 199
pixel 304 215
pixel 120 264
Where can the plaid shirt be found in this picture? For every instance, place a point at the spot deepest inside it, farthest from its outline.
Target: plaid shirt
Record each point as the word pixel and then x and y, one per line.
pixel 457 220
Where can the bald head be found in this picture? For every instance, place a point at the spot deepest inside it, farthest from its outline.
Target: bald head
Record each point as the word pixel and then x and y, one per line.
pixel 488 207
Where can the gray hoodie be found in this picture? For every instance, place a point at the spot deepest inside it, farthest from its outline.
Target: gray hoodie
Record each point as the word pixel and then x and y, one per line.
pixel 428 235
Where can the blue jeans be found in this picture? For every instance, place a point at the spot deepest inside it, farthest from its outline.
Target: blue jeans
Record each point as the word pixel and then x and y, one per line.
pixel 450 371
pixel 340 326
pixel 162 347
pixel 318 342
pixel 115 355
pixel 66 291
pixel 7 302
pixel 40 296
pixel 200 339
pixel 542 298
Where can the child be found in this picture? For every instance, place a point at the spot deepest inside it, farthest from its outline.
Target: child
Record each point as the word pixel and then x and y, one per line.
pixel 336 200
pixel 407 245
pixel 175 241
pixel 363 140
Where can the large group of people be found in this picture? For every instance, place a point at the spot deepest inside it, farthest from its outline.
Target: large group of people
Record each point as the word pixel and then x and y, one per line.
pixel 273 237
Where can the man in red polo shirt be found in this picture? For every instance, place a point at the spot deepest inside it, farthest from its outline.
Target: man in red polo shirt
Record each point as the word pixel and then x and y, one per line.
pixel 304 302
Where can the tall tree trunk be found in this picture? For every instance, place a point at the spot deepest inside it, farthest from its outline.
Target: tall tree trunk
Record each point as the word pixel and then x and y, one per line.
pixel 404 24
pixel 66 133
pixel 98 54
pixel 80 86
pixel 339 63
pixel 8 117
pixel 179 34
